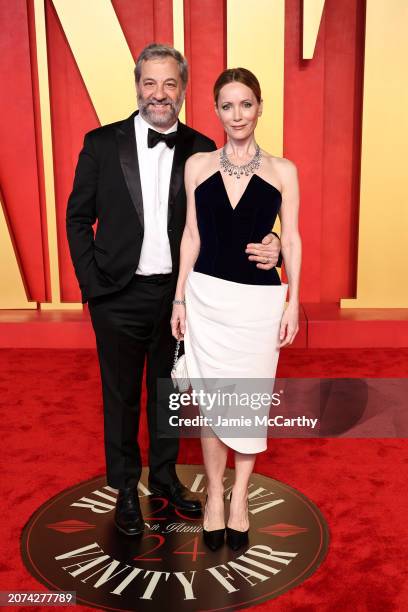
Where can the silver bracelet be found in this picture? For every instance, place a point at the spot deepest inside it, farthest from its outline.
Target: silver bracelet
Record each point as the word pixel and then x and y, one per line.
pixel 183 302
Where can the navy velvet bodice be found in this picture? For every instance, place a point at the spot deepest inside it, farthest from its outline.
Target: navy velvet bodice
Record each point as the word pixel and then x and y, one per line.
pixel 226 231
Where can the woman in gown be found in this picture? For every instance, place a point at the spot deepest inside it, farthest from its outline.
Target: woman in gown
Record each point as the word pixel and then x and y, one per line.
pixel 229 309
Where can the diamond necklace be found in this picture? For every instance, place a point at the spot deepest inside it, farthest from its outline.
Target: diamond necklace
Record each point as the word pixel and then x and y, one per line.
pixel 238 171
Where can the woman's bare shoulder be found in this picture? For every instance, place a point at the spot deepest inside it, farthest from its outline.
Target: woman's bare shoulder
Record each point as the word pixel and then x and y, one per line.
pixel 279 163
pixel 200 159
pixel 281 168
pixel 200 164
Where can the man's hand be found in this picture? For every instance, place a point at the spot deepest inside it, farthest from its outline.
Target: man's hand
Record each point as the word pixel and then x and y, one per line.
pixel 265 253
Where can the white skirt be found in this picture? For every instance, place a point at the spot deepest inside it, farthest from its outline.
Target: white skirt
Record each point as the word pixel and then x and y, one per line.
pixel 232 331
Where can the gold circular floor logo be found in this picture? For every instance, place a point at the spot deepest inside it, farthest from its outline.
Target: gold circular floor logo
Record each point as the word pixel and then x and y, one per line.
pixel 71 544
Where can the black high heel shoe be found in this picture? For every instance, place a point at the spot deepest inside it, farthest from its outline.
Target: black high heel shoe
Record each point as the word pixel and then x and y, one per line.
pixel 214 539
pixel 237 539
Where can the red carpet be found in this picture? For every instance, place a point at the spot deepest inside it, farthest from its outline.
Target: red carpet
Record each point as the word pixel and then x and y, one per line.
pixel 51 429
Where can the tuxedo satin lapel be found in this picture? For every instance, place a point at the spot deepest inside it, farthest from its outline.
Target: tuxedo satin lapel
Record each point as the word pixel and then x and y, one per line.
pixel 129 162
pixel 183 150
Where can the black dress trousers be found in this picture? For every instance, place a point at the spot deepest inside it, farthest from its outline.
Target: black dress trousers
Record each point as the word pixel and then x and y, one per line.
pixel 130 326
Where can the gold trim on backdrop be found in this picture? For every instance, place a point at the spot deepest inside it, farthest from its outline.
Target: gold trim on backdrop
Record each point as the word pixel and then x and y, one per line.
pixel 256 41
pixel 312 16
pixel 264 24
pixel 178 39
pixel 102 55
pixel 46 135
pixel 383 223
pixel 12 291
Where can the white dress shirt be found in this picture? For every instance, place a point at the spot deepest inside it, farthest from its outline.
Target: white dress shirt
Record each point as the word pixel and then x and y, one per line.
pixel 155 168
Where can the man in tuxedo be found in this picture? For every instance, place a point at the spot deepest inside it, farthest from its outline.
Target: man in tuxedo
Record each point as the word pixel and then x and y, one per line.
pixel 130 178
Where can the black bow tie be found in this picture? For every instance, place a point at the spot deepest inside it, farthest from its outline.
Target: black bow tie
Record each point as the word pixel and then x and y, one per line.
pixel 154 137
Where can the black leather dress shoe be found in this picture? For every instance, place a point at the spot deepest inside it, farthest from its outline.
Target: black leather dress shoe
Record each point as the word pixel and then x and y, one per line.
pixel 128 515
pixel 177 494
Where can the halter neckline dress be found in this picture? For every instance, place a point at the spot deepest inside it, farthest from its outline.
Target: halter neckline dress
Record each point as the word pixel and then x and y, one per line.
pixel 233 308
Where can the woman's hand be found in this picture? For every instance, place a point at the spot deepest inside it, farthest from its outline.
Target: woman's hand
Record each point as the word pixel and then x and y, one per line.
pixel 289 326
pixel 178 321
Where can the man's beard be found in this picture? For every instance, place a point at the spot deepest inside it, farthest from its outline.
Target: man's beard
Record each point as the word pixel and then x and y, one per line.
pixel 146 109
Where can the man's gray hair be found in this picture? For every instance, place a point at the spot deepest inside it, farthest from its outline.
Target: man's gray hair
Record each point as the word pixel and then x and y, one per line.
pixel 158 50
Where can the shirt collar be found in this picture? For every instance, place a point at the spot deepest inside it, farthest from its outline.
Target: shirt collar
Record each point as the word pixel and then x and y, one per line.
pixel 144 126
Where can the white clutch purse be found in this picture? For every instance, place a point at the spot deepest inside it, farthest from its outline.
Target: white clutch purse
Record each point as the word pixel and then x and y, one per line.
pixel 179 374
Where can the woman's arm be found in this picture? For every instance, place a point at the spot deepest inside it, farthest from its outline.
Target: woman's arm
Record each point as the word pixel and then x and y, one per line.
pixel 189 248
pixel 291 249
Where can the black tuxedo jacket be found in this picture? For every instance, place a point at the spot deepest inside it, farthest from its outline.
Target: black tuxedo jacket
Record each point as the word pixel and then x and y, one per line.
pixel 107 189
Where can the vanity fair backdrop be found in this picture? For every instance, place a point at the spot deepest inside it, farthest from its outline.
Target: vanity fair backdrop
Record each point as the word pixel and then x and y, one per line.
pixel 331 74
